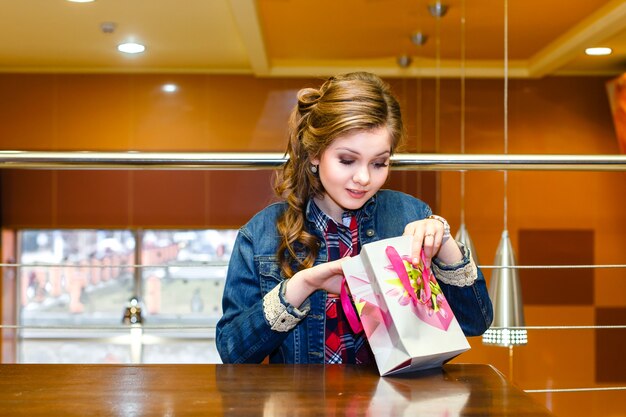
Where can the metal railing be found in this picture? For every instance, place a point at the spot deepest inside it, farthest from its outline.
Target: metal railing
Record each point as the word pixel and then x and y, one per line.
pixel 268 160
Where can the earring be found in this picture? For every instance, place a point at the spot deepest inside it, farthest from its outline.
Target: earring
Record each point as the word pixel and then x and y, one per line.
pixel 314 169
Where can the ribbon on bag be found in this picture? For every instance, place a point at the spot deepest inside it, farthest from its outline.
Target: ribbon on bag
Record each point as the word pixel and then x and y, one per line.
pixel 430 306
pixel 348 309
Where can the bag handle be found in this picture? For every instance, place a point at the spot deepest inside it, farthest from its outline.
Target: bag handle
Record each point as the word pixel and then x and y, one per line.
pixel 348 309
pixel 427 276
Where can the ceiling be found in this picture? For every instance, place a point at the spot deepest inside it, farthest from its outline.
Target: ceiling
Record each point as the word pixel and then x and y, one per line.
pixel 286 38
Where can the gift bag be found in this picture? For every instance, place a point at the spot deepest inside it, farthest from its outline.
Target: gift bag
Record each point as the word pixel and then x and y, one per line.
pixel 406 318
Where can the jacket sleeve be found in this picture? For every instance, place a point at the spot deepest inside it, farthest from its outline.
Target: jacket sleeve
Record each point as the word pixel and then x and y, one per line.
pixel 243 335
pixel 470 303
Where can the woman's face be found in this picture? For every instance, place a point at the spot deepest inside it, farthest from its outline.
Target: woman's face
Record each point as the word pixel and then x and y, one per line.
pixel 352 169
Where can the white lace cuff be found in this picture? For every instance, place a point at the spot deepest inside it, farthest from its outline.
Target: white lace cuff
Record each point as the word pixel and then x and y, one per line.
pixel 280 315
pixel 457 275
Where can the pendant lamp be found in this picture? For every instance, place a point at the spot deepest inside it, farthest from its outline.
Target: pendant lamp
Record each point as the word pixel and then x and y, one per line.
pixel 506 295
pixel 463 236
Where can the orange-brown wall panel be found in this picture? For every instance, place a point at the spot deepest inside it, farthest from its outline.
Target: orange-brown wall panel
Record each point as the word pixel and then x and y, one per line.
pixel 93 116
pixel 105 191
pixel 28 198
pixel 233 197
pixel 167 198
pixel 162 121
pixel 28 114
pixel 131 112
pixel 248 114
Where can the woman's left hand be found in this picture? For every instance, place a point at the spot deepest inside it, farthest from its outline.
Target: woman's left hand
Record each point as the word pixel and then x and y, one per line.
pixel 427 235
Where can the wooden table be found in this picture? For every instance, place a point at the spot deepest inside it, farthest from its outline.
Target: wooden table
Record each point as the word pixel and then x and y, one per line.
pixel 257 390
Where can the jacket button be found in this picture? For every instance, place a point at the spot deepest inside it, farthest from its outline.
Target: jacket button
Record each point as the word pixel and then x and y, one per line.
pixel 370 232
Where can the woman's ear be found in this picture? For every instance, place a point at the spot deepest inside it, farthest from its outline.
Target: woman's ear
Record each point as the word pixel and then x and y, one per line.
pixel 314 160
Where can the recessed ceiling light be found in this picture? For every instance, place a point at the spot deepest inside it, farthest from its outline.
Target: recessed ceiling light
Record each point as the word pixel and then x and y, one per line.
pixel 131 48
pixel 81 1
pixel 598 51
pixel 169 88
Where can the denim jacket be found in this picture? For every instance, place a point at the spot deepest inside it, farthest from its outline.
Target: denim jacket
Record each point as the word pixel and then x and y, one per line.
pixel 244 336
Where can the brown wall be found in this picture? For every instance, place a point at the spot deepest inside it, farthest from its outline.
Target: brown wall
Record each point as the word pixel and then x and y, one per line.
pixel 129 112
pixel 566 115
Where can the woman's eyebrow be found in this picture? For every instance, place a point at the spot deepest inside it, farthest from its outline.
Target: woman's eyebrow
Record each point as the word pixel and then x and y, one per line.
pixel 385 152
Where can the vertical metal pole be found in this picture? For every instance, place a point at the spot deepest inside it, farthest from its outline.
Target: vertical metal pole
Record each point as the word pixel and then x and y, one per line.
pixel 136 332
pixel 138 272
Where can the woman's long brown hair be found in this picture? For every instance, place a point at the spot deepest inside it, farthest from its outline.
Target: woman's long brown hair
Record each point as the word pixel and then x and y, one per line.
pixel 345 103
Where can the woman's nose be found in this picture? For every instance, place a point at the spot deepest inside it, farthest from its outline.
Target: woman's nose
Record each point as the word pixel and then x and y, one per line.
pixel 362 175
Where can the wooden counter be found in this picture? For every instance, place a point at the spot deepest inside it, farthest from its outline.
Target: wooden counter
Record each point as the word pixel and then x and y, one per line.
pixel 257 390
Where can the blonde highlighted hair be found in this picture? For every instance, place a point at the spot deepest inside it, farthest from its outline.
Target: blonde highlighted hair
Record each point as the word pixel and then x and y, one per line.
pixel 345 103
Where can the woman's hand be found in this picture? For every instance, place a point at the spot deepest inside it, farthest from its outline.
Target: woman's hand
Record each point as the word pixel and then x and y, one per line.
pixel 428 236
pixel 327 276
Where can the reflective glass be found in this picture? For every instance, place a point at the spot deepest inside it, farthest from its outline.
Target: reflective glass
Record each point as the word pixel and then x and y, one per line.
pixel 73 281
pixel 181 352
pixel 73 351
pixel 92 285
pixel 186 287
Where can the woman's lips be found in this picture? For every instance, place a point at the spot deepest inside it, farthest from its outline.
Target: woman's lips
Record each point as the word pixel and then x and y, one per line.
pixel 356 193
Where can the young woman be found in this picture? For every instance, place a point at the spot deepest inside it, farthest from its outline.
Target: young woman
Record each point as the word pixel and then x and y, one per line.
pixel 281 295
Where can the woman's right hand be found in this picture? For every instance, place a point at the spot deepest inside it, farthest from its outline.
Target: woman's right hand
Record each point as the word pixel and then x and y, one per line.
pixel 327 276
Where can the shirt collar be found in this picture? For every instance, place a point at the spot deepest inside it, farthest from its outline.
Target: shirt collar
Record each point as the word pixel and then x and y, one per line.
pixel 320 219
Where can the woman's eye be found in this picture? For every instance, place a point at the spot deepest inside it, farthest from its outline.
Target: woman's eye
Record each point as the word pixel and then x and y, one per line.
pixel 380 164
pixel 346 161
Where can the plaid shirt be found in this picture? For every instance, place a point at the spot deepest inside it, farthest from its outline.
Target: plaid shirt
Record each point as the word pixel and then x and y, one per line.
pixel 342 346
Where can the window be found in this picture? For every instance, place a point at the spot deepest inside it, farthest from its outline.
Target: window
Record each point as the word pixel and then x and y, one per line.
pixel 74 287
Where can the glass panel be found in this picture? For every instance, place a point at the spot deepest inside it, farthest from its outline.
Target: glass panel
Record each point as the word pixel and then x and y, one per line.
pixel 73 351
pixel 181 352
pixel 182 285
pixel 187 285
pixel 91 287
